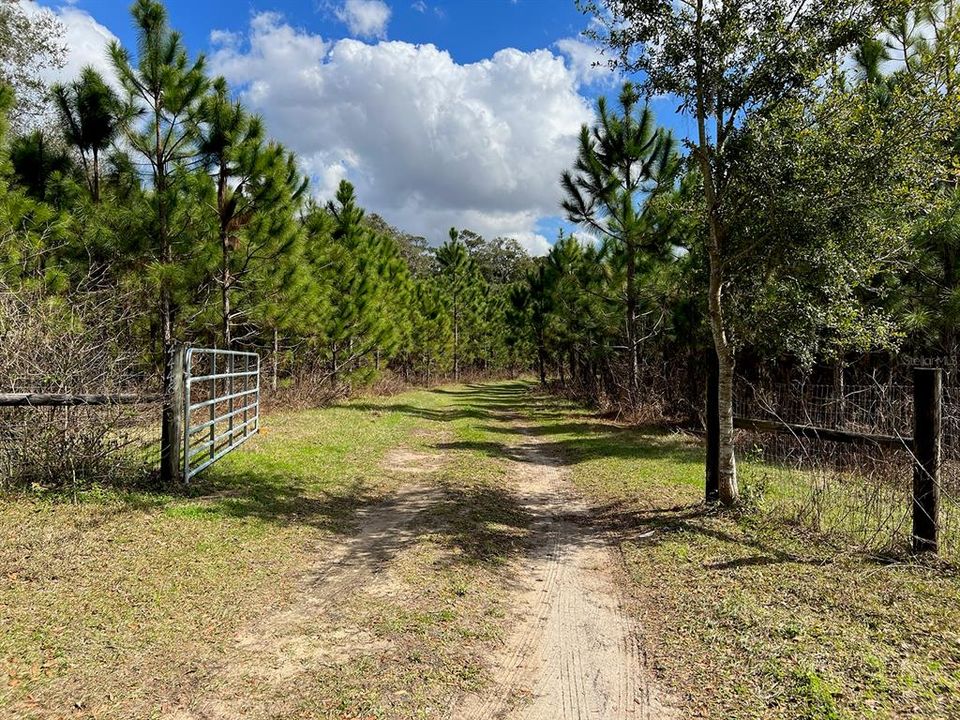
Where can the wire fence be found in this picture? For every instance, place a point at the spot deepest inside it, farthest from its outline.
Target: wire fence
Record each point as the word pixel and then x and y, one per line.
pixel 80 344
pixel 860 492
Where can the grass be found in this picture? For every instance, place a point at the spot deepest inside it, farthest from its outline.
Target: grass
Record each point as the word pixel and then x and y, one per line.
pixel 113 605
pixel 752 617
pixel 130 604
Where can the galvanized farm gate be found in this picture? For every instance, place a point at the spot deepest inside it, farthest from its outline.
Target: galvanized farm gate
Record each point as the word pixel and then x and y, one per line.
pixel 221 404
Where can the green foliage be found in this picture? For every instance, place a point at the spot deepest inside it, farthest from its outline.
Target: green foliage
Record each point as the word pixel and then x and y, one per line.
pixel 92 116
pixel 39 164
pixel 623 165
pixel 173 194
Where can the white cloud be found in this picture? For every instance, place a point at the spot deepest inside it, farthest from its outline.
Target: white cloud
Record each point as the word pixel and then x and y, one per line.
pixel 533 243
pixel 429 143
pixel 587 61
pixel 365 18
pixel 86 41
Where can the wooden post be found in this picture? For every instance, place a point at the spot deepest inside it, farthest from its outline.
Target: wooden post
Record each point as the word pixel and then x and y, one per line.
pixel 172 431
pixel 713 428
pixel 926 448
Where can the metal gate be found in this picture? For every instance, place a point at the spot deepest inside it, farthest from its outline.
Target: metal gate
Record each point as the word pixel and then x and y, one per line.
pixel 221 407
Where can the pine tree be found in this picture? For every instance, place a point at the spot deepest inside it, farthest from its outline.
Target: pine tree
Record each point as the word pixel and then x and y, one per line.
pixel 92 116
pixel 455 268
pixel 257 189
pixel 165 88
pixel 623 161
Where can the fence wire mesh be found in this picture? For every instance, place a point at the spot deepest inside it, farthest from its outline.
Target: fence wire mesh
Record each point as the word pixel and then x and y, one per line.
pixel 74 345
pixel 859 492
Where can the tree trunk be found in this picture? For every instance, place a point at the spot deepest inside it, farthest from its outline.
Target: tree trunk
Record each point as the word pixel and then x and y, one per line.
pixel 225 278
pixel 225 293
pixel 334 368
pixel 729 490
pixel 276 359
pixel 456 340
pixel 839 394
pixel 632 349
pixel 169 435
pixel 96 176
pixel 705 153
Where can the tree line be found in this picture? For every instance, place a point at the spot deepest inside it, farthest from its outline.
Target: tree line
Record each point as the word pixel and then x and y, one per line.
pixel 163 186
pixel 809 215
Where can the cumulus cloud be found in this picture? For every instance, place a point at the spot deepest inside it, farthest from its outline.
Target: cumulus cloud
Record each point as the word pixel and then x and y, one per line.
pixel 86 42
pixel 429 143
pixel 365 18
pixel 587 61
pixel 85 39
pixel 533 243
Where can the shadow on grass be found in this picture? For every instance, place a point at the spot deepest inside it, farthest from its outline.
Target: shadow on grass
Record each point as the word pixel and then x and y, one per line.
pixel 436 415
pixel 480 525
pixel 598 444
pixel 656 526
pixel 274 499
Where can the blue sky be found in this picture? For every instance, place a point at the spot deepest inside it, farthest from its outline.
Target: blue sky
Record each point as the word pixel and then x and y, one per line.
pixel 470 29
pixel 441 112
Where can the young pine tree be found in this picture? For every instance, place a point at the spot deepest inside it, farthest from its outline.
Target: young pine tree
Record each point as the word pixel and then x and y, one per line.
pixel 258 189
pixel 165 88
pixel 623 161
pixel 92 116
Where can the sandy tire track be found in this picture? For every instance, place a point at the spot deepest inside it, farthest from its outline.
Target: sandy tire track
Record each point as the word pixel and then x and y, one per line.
pixel 286 643
pixel 575 652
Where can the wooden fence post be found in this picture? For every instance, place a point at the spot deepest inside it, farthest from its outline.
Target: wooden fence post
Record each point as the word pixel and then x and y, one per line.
pixel 926 448
pixel 713 428
pixel 172 431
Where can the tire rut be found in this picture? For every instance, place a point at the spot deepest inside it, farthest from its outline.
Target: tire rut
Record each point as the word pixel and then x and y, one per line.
pixel 575 654
pixel 278 648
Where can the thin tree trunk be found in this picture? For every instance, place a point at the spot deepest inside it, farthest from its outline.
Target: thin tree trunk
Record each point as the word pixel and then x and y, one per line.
pixel 169 441
pixel 96 176
pixel 839 393
pixel 334 369
pixel 729 491
pixel 225 291
pixel 541 363
pixel 276 359
pixel 456 340
pixel 633 359
pixel 225 277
